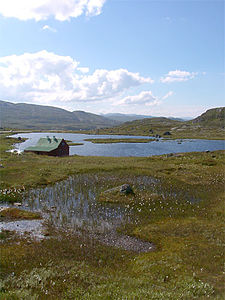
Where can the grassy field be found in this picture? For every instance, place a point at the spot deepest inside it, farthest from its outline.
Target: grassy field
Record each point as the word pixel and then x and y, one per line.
pixel 184 219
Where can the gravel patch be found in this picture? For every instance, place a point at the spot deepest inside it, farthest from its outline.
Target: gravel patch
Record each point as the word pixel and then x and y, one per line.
pixel 32 227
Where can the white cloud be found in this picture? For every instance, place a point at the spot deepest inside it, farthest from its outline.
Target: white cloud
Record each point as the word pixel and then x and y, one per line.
pixel 143 98
pixel 83 69
pixel 49 28
pixel 47 78
pixel 170 93
pixel 178 76
pixel 44 9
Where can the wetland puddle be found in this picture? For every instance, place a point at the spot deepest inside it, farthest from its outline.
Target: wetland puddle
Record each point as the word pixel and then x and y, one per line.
pixel 72 205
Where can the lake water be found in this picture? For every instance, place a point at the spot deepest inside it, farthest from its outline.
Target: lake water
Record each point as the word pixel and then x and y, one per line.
pixel 160 147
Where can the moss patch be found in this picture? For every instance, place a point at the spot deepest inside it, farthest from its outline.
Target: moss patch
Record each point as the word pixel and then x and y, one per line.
pixel 18 214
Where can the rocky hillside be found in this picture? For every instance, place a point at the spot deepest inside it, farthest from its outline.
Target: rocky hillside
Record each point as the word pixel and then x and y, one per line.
pixel 214 117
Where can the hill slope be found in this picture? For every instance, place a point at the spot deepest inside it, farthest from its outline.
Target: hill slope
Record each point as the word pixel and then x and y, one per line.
pixel 214 117
pixel 30 116
pixel 210 125
pixel 144 127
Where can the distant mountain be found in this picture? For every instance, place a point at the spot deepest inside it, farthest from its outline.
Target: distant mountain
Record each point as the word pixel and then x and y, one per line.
pixel 132 117
pixel 36 117
pixel 85 117
pixel 214 117
pixel 125 117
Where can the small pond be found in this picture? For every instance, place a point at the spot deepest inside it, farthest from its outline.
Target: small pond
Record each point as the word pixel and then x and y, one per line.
pixel 163 146
pixel 73 204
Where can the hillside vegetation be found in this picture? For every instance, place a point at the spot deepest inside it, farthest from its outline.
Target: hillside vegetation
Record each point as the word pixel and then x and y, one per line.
pixel 211 118
pixel 39 117
pixel 209 125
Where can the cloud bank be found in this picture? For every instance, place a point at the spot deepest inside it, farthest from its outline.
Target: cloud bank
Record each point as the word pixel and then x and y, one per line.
pixel 47 78
pixel 44 9
pixel 143 98
pixel 178 76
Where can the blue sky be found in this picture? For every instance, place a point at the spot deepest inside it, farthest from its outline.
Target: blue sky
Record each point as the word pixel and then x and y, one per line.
pixel 137 56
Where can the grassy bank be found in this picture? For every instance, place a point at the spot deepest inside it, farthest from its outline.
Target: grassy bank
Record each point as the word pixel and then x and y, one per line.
pixel 113 141
pixel 12 214
pixel 184 218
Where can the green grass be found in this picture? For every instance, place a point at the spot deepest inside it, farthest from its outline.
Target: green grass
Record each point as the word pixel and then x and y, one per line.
pixel 70 143
pixel 187 263
pixel 18 214
pixel 112 141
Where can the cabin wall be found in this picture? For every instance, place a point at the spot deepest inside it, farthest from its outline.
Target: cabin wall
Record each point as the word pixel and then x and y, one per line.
pixel 60 151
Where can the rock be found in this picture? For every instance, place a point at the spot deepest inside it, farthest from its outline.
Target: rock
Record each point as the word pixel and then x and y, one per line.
pixel 167 133
pixel 126 189
pixel 3 208
pixel 169 155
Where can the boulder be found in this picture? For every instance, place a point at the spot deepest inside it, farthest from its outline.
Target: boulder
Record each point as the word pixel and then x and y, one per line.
pixel 167 133
pixel 126 189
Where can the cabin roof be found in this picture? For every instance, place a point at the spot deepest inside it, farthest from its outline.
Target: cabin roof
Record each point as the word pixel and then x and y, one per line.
pixel 46 144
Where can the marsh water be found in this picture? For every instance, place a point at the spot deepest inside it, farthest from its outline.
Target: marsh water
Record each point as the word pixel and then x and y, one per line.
pixel 74 202
pixel 73 205
pixel 162 146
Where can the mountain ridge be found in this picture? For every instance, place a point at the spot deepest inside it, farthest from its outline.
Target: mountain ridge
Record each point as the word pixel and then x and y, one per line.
pixel 33 116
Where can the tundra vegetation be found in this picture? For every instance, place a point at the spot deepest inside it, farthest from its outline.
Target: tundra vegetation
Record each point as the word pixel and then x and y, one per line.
pixel 186 225
pixel 210 125
pixel 159 126
pixel 12 213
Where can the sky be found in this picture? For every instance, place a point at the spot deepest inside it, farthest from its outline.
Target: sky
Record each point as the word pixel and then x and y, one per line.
pixel 158 58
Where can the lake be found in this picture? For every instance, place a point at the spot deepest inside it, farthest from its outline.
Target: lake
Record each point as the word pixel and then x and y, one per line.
pixel 163 146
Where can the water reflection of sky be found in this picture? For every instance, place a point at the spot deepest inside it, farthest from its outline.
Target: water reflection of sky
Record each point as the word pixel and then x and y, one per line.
pixel 73 203
pixel 123 149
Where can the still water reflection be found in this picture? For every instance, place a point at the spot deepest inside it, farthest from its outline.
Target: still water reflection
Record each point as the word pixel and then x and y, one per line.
pixel 160 147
